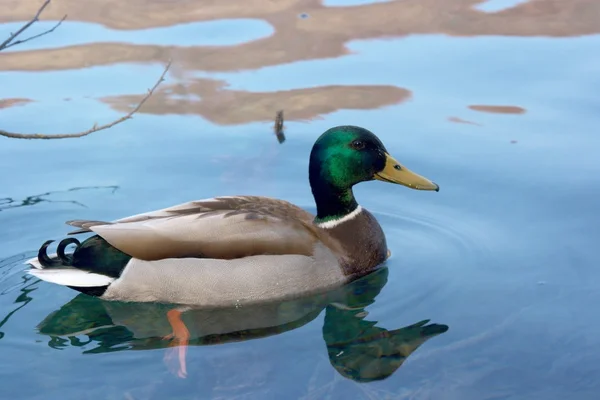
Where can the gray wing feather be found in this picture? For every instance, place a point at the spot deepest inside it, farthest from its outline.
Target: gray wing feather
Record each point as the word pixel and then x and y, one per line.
pixel 223 228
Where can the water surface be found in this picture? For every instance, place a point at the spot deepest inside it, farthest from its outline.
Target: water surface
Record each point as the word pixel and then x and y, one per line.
pixel 213 33
pixel 504 255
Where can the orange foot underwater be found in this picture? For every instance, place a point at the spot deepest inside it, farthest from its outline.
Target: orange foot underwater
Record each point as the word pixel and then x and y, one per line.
pixel 178 346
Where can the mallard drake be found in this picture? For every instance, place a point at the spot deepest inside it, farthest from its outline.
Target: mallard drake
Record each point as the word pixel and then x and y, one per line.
pixel 236 250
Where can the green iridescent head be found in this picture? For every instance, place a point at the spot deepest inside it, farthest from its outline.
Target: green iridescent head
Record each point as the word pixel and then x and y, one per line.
pixel 346 155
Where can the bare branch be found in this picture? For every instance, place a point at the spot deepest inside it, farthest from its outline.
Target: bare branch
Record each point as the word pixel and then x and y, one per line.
pixel 10 41
pixel 11 44
pixel 94 128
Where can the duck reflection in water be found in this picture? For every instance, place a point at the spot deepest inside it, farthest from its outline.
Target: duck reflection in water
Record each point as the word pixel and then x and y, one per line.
pixel 357 348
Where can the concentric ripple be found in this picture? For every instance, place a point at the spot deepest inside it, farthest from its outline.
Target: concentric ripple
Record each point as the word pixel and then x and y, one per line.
pixel 11 269
pixel 435 254
pixel 460 238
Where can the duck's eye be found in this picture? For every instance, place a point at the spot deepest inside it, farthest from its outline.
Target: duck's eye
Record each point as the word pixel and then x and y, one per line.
pixel 358 144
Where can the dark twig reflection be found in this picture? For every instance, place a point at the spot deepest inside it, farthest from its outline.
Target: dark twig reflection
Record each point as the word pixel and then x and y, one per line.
pixel 278 126
pixel 9 202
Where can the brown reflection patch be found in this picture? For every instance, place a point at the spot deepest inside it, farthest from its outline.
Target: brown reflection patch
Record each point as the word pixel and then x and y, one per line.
pixel 498 109
pixel 141 14
pixel 208 99
pixel 462 121
pixel 322 35
pixel 5 103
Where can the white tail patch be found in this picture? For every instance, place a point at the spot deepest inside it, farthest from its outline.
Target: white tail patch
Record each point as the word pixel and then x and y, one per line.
pixel 36 264
pixel 71 277
pixel 336 222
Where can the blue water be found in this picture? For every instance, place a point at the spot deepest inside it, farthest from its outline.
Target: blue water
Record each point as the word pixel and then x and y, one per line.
pixel 504 254
pixel 498 5
pixel 225 32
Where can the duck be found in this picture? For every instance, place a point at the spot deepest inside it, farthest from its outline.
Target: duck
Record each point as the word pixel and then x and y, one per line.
pixel 239 250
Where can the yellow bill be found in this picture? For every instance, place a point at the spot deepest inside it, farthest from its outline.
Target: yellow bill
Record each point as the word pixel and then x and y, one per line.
pixel 394 172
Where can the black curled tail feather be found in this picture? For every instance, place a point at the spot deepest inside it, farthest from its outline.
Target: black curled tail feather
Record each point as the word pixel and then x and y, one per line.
pixel 43 258
pixel 62 260
pixel 60 250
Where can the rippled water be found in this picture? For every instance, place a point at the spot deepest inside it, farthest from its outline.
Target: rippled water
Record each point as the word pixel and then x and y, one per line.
pixel 504 119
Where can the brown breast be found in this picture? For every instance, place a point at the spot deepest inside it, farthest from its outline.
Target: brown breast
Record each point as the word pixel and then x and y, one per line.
pixel 363 242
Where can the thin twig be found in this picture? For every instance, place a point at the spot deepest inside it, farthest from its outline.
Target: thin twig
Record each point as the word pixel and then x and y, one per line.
pixel 94 128
pixel 9 42
pixel 12 42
